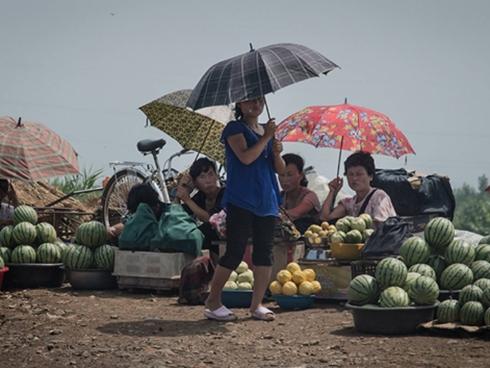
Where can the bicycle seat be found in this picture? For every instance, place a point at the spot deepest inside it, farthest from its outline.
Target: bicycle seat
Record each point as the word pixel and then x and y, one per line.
pixel 148 145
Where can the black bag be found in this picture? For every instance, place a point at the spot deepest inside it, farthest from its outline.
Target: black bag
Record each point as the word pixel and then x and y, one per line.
pixel 386 239
pixel 434 196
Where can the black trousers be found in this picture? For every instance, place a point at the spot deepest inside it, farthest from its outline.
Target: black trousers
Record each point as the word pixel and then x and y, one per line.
pixel 240 224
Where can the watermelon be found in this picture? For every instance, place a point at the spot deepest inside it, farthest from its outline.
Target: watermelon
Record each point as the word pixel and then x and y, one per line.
pixel 470 293
pixel 411 277
pixel 368 220
pixel 391 272
pixel 483 284
pixel 456 277
pixel 2 263
pixel 448 311
pixel 363 289
pixel 482 252
pixel 91 234
pixel 481 270
pixel 438 264
pixel 459 251
pixel 343 225
pixel 424 270
pixel 5 254
pixel 414 250
pixel 46 233
pixel 6 239
pixel 485 240
pixel 24 233
pixel 353 237
pixel 79 257
pixel 358 224
pixel 23 254
pixel 104 257
pixel 366 234
pixel 424 290
pixel 439 232
pixel 472 313
pixel 64 250
pixel 394 297
pixel 486 317
pixel 485 298
pixel 48 253
pixel 25 214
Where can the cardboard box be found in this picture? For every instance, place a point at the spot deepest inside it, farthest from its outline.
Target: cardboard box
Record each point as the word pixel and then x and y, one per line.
pixel 334 278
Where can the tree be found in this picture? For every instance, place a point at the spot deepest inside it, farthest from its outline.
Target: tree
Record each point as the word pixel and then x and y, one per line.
pixel 473 208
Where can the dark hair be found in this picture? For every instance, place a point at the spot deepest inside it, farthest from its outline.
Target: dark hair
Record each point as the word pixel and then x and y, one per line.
pixel 238 112
pixel 363 159
pixel 4 185
pixel 142 193
pixel 201 165
pixel 296 160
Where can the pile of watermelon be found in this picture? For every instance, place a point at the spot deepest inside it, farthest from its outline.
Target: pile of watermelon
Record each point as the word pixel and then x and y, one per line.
pixel 90 250
pixel 353 230
pixel 28 241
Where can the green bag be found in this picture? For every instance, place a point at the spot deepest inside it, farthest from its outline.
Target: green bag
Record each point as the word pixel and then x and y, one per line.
pixel 176 231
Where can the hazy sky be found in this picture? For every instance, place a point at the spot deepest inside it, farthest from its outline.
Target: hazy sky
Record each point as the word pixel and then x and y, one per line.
pixel 84 67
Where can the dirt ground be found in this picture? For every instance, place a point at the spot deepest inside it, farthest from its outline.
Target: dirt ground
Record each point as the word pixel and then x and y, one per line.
pixel 66 328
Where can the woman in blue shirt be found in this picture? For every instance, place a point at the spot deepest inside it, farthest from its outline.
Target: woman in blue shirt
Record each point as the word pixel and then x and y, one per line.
pixel 252 201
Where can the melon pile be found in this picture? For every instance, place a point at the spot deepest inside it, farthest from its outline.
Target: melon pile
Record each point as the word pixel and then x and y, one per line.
pixel 240 279
pixel 28 241
pixel 353 230
pixel 90 250
pixel 293 280
pixel 318 235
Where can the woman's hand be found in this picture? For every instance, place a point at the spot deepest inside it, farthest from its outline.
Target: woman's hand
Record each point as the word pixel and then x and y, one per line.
pixel 270 128
pixel 336 184
pixel 276 147
pixel 183 192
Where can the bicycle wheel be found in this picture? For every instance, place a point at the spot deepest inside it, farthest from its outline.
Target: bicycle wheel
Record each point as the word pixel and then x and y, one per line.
pixel 115 195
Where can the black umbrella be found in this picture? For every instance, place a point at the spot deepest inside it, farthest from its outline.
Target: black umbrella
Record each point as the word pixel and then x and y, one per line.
pixel 256 73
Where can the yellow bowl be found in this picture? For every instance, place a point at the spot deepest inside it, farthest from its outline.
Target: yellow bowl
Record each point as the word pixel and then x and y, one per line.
pixel 346 251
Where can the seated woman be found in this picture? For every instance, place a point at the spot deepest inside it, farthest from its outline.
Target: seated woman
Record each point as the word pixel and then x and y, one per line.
pixel 207 201
pixel 360 170
pixel 301 204
pixel 8 201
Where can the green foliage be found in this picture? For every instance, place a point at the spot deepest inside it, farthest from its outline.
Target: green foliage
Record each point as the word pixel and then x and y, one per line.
pixel 473 208
pixel 87 179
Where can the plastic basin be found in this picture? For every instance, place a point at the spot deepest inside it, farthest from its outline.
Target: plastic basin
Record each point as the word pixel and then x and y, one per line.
pixel 236 298
pixel 34 275
pixel 346 251
pixel 390 321
pixel 91 279
pixel 294 302
pixel 448 294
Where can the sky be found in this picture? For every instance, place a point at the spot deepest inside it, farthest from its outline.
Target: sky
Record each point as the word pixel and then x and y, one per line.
pixel 83 68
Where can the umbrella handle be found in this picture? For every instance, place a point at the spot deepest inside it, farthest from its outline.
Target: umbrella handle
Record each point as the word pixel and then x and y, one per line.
pixel 338 171
pixel 267 109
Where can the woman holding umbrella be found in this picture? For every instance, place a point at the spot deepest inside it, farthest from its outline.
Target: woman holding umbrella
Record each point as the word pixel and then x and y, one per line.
pixel 252 201
pixel 360 170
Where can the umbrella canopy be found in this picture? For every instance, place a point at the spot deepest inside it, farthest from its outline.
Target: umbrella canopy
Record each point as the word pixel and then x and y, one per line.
pixel 195 130
pixel 256 73
pixel 347 127
pixel 30 151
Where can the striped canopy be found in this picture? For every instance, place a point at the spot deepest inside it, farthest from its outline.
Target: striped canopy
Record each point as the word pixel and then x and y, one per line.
pixel 257 73
pixel 31 152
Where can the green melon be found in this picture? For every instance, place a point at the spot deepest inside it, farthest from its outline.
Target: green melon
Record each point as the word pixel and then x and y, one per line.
pixel 64 250
pixel 481 270
pixel 343 225
pixel 438 264
pixel 485 240
pixel 470 293
pixel 439 232
pixel 368 220
pixel 414 250
pixel 486 317
pixel 485 298
pixel 24 233
pixel 48 253
pixel 91 234
pixel 459 251
pixel 23 254
pixel 424 290
pixel 483 284
pixel 46 233
pixel 2 263
pixel 79 257
pixel 363 289
pixel 482 252
pixel 391 272
pixel 358 224
pixel 472 314
pixel 448 311
pixel 24 214
pixel 394 297
pixel 353 237
pixel 104 257
pixel 6 254
pixel 456 277
pixel 411 277
pixel 6 239
pixel 424 270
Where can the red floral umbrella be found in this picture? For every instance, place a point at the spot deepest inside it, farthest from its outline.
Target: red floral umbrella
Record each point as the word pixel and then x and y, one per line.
pixel 31 151
pixel 346 127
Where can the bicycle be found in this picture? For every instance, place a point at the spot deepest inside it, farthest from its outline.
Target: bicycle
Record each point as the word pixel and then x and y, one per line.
pixel 115 194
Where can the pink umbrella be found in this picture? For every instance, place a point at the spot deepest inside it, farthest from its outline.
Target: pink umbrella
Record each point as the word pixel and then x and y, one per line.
pixel 30 151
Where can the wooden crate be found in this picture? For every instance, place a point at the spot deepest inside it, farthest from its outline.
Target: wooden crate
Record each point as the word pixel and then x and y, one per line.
pixel 334 278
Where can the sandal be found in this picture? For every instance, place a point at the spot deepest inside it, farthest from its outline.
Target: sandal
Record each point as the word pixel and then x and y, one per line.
pixel 220 314
pixel 263 314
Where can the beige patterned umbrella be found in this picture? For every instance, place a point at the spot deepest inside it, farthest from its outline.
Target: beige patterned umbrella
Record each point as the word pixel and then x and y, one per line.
pixel 31 152
pixel 198 130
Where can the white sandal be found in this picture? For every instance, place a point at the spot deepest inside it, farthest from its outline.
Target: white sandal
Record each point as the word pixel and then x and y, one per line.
pixel 220 314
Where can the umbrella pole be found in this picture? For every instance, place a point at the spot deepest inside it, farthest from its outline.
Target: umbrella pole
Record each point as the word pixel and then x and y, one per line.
pixel 267 109
pixel 338 171
pixel 204 141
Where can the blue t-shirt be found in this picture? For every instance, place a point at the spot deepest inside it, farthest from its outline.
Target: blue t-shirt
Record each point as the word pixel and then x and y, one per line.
pixel 252 187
